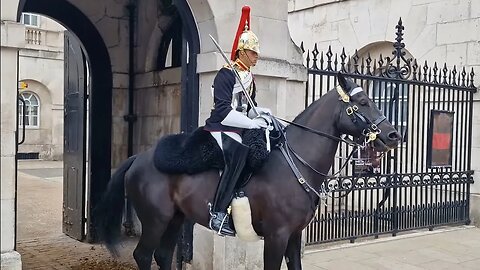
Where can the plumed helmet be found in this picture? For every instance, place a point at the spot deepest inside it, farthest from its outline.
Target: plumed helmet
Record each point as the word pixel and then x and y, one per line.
pixel 245 39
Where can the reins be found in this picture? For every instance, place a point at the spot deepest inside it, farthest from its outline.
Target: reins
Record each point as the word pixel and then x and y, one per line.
pixel 368 129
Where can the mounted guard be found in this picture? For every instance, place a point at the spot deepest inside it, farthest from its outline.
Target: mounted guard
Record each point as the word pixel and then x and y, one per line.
pixel 234 110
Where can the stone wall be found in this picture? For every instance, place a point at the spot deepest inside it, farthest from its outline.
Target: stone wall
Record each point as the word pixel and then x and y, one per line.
pixel 41 66
pixel 158 107
pixel 11 42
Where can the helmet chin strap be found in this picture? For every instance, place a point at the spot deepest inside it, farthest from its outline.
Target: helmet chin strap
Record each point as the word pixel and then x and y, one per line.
pixel 249 60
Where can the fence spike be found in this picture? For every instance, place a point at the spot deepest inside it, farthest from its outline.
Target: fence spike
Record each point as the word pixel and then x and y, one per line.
pixel 425 71
pixel 369 61
pixel 362 66
pixel 315 54
pixel 355 61
pixel 302 48
pixel 380 65
pixel 343 56
pixel 435 72
pixel 329 55
pixel 464 73
pixel 321 60
pixel 308 59
pixel 454 75
pixel 335 62
pixel 414 69
pixel 445 70
pixel 472 74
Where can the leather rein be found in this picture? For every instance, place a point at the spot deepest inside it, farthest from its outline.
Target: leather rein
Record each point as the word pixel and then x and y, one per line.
pixel 369 129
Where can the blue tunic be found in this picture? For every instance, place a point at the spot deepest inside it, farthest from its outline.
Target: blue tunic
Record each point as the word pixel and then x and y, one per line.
pixel 222 98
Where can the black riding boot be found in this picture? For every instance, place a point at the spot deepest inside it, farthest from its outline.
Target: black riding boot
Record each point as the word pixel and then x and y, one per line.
pixel 235 156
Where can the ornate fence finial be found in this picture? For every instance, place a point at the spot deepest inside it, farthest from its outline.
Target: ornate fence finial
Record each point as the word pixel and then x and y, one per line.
pixel 315 53
pixel 308 59
pixel 454 75
pixel 415 67
pixel 343 56
pixel 445 71
pixel 369 64
pixel 399 70
pixel 472 73
pixel 355 62
pixel 464 73
pixel 329 55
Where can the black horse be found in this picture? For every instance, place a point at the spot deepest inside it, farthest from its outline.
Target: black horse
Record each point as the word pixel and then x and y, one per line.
pixel 280 206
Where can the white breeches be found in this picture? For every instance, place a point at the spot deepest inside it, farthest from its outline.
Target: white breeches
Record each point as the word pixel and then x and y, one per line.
pixel 218 137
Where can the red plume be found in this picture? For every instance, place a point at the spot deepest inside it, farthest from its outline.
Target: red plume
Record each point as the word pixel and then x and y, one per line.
pixel 241 26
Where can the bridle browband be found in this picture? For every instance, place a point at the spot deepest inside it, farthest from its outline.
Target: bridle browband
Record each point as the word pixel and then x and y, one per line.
pixel 369 130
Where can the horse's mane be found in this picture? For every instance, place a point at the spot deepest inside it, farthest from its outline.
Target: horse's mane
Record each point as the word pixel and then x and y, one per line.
pixel 311 107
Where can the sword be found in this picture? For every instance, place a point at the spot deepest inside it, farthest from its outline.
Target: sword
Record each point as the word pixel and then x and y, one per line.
pixel 249 99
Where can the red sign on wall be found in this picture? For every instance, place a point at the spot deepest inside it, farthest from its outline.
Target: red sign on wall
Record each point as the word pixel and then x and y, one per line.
pixel 440 139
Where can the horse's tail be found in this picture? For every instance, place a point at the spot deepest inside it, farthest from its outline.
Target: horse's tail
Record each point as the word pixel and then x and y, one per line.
pixel 109 212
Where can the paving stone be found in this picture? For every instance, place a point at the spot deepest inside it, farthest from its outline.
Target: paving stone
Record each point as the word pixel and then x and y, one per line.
pixel 452 248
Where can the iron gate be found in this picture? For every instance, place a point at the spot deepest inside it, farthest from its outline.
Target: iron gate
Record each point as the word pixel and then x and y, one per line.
pixel 404 193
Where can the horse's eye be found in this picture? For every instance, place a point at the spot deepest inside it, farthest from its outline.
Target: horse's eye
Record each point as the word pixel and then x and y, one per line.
pixel 363 102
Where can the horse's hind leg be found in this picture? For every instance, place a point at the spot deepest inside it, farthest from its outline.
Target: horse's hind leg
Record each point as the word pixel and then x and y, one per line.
pixel 292 254
pixel 164 250
pixel 151 236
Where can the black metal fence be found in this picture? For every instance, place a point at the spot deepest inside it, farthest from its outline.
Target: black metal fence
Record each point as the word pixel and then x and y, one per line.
pixel 404 193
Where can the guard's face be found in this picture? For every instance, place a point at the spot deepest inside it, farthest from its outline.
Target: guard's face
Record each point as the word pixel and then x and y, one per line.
pixel 249 57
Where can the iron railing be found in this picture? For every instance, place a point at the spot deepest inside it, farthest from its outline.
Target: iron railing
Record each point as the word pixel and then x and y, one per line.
pixel 404 193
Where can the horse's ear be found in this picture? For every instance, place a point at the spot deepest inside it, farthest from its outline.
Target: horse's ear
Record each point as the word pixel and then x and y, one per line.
pixel 342 81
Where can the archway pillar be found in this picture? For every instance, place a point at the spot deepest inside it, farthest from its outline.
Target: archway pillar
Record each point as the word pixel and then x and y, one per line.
pixel 11 42
pixel 280 77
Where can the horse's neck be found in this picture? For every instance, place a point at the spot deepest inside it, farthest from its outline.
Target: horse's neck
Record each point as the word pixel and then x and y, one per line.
pixel 317 150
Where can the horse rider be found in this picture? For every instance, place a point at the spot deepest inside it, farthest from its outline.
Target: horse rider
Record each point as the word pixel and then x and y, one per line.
pixel 230 115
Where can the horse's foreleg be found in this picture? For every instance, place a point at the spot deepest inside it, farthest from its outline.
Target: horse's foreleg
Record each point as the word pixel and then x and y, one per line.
pixel 164 251
pixel 273 251
pixel 292 255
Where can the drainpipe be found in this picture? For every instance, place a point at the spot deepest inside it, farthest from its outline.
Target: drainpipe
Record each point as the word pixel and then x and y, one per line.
pixel 130 117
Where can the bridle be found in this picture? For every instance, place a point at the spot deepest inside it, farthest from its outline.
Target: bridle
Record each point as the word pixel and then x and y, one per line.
pixel 369 130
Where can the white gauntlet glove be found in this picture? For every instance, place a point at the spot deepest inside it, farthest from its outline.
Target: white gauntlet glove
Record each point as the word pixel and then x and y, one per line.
pixel 259 123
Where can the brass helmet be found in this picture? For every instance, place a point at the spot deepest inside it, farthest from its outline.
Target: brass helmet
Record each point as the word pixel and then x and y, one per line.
pixel 245 39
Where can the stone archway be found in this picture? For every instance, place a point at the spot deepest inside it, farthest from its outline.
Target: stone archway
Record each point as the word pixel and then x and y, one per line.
pixel 101 88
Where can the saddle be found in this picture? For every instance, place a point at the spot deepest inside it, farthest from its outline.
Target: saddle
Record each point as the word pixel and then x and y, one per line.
pixel 199 152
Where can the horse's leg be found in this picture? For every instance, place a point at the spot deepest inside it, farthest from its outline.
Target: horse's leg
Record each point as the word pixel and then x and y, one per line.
pixel 151 235
pixel 292 255
pixel 273 250
pixel 164 251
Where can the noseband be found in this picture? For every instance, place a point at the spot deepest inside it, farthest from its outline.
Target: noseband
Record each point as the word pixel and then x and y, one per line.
pixel 368 128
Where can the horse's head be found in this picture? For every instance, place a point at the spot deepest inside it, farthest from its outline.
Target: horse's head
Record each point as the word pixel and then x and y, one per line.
pixel 361 118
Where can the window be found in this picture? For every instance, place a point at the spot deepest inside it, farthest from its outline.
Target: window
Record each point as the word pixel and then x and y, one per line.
pixel 384 94
pixel 32 110
pixel 30 19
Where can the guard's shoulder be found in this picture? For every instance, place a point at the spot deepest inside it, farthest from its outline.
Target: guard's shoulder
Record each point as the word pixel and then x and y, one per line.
pixel 225 74
pixel 227 67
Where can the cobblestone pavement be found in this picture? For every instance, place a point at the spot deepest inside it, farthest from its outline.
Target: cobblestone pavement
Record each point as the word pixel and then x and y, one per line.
pixel 42 244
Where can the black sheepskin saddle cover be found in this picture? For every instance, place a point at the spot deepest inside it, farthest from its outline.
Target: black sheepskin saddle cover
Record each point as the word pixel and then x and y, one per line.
pixel 198 152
